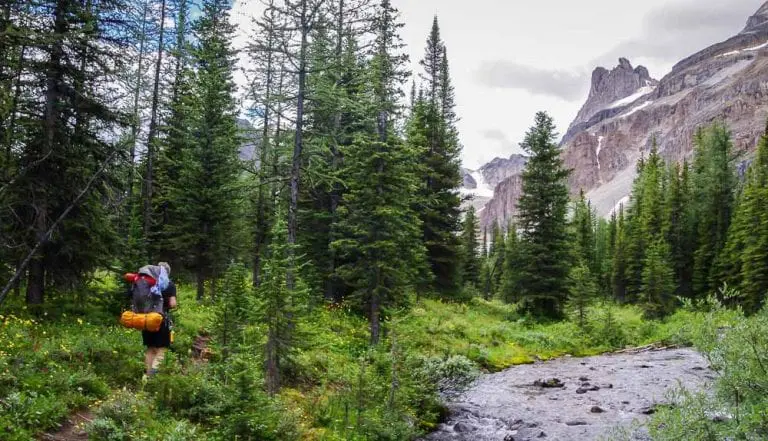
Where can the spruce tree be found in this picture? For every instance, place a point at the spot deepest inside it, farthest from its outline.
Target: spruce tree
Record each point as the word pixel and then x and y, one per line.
pixel 583 226
pixel 440 161
pixel 496 258
pixel 714 183
pixel 176 139
pixel 543 207
pixel 619 264
pixel 510 281
pixel 658 280
pixel 60 111
pixel 379 229
pixel 678 226
pixel 582 292
pixel 208 192
pixel 470 260
pixel 743 263
pixel 277 306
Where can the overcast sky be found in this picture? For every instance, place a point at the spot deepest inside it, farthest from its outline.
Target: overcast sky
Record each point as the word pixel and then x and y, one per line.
pixel 512 58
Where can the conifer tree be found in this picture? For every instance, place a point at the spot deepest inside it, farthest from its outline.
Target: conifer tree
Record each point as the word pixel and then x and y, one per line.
pixel 208 192
pixel 678 226
pixel 496 258
pixel 266 58
pixel 441 203
pixel 510 281
pixel 379 229
pixel 470 248
pixel 619 264
pixel 583 226
pixel 604 248
pixel 582 292
pixel 60 113
pixel 176 139
pixel 543 207
pixel 231 311
pixel 278 306
pixel 743 263
pixel 714 183
pixel 658 280
pixel 645 220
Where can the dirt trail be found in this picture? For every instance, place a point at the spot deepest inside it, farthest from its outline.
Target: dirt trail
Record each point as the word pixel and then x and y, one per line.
pixel 72 429
pixel 591 397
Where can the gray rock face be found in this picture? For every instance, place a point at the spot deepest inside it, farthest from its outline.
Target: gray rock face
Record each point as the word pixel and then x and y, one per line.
pixel 493 186
pixel 727 81
pixel 500 169
pixel 468 182
pixel 502 208
pixel 609 88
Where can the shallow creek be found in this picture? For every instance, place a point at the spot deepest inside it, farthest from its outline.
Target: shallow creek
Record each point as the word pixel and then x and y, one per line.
pixel 592 397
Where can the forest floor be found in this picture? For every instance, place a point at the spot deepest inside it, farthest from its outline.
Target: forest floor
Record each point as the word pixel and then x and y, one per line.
pixel 573 398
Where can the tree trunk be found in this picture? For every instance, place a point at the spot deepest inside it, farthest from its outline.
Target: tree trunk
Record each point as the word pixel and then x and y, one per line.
pixel 262 227
pixel 297 150
pixel 331 293
pixel 272 363
pixel 375 317
pixel 153 131
pixel 36 282
pixel 200 285
pixel 136 123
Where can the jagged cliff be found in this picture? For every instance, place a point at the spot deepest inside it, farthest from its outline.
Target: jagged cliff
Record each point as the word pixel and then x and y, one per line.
pixel 492 183
pixel 627 109
pixel 727 81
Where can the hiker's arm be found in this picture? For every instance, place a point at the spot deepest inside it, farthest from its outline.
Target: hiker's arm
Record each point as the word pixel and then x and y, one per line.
pixel 172 302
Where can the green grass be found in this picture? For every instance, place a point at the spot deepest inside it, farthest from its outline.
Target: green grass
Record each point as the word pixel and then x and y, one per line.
pixel 74 355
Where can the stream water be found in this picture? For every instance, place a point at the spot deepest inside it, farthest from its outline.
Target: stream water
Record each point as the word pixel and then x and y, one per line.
pixel 592 397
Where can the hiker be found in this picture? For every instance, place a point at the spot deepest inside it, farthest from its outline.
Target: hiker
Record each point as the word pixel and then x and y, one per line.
pixel 153 292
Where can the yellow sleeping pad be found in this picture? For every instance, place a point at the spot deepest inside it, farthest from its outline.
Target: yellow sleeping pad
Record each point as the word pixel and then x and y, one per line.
pixel 145 322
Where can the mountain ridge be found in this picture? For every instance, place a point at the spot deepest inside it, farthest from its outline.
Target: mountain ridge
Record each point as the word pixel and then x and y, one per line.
pixel 618 123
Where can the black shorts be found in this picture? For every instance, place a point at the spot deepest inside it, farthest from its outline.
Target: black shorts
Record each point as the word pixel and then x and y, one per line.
pixel 159 339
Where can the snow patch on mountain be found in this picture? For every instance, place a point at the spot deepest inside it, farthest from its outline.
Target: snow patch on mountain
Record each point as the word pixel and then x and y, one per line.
pixel 740 51
pixel 637 109
pixel 645 90
pixel 597 153
pixel 482 189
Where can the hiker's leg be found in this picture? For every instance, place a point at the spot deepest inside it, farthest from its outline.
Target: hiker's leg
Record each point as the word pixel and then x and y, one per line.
pixel 159 356
pixel 149 358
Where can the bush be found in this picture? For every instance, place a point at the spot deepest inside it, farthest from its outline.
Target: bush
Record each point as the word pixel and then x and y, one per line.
pixel 736 348
pixel 450 375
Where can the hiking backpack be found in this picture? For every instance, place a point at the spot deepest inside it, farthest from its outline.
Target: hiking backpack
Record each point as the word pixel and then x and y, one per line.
pixel 146 290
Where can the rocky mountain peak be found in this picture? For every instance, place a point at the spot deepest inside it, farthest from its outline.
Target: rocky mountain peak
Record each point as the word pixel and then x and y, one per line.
pixel 610 87
pixel 758 21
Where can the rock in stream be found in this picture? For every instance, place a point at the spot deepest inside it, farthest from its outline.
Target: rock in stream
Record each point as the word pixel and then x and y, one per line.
pixel 598 394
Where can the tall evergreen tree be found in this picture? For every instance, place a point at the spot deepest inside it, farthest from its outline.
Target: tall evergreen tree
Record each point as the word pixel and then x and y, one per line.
pixel 582 292
pixel 60 118
pixel 441 203
pixel 379 229
pixel 470 261
pixel 277 306
pixel 496 258
pixel 743 263
pixel 658 280
pixel 714 182
pixel 583 226
pixel 543 207
pixel 619 264
pixel 510 281
pixel 208 191
pixel 678 226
